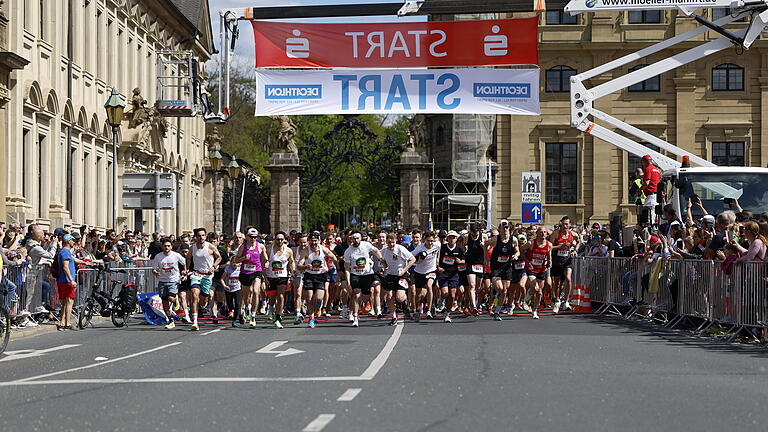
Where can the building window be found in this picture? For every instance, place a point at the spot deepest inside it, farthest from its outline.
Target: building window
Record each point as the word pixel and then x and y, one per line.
pixel 728 77
pixel 634 161
pixel 40 204
pixel 718 13
pixel 728 153
pixel 652 84
pixel 41 18
pixel 560 17
pixel 558 79
pixel 645 17
pixel 561 176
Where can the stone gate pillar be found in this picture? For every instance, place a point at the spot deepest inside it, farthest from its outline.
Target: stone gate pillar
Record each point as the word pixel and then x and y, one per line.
pixel 284 213
pixel 414 188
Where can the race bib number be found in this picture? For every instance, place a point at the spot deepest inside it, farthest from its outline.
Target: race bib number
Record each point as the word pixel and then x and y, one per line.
pixel 447 260
pixel 403 283
pixel 503 258
pixel 563 253
pixel 520 265
pixel 361 264
pixel 234 284
pixel 462 267
pixel 316 267
pixel 477 268
pixel 537 262
pixel 168 269
pixel 278 270
pixel 249 267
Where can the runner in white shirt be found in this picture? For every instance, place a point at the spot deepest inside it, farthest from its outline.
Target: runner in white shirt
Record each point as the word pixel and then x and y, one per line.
pixel 298 278
pixel 397 260
pixel 279 268
pixel 425 273
pixel 359 271
pixel 167 266
pixel 314 262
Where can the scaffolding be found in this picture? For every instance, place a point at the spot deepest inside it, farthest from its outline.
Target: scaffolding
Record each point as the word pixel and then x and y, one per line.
pixel 178 85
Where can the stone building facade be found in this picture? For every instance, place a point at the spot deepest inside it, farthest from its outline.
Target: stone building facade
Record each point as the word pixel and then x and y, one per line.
pixel 715 107
pixel 57 168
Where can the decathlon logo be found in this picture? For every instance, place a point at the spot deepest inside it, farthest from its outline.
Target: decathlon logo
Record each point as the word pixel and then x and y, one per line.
pixel 293 91
pixel 502 90
pixel 590 3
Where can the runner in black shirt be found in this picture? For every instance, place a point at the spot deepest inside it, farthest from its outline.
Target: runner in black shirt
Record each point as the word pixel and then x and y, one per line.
pixel 451 256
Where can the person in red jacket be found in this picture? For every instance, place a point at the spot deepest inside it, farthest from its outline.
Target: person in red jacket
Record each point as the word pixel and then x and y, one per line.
pixel 651 179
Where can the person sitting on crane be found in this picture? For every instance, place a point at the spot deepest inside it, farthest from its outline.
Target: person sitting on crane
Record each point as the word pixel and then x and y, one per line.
pixel 651 179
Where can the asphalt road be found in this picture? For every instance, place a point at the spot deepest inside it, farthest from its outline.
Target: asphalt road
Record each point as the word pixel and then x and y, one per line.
pixel 577 373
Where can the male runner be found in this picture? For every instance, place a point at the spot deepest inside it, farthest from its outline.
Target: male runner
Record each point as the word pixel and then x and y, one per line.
pixel 564 243
pixel 451 257
pixel 398 261
pixel 505 252
pixel 424 273
pixel 359 271
pixel 298 277
pixel 314 262
pixel 168 266
pixel 203 261
pixel 474 258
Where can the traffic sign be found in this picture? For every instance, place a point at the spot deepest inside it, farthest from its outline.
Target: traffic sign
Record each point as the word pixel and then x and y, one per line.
pixel 532 212
pixel 149 181
pixel 354 220
pixel 147 200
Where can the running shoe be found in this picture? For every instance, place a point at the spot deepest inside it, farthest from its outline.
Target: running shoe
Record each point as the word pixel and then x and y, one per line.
pixel 248 315
pixel 278 324
pixel 417 316
pixel 535 315
pixel 497 317
pixel 355 322
pixel 511 310
pixel 475 311
pixel 447 319
pixel 311 323
pixel 556 307
pixel 567 306
pixel 170 325
pixel 429 314
pixel 252 323
pixel 526 307
pixel 235 324
pixel 186 318
pixel 454 307
pixel 440 305
pixel 393 321
pixel 504 310
pixel 299 319
pixel 263 309
pixel 194 327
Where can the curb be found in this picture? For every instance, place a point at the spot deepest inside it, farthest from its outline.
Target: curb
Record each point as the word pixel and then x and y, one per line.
pixel 49 327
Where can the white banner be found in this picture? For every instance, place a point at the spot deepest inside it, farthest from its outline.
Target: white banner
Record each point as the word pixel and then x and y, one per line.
pixel 398 91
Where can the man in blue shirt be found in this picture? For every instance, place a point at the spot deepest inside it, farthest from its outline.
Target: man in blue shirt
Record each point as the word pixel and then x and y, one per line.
pixel 66 281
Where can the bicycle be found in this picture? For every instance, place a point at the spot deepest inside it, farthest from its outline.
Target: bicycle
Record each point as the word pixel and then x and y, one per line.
pixel 119 308
pixel 5 322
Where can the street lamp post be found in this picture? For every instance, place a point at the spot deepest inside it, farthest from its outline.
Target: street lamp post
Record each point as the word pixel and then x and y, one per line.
pixel 114 106
pixel 215 159
pixel 234 172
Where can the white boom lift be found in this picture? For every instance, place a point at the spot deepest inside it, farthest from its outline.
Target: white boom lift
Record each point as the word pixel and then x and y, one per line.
pixel 711 183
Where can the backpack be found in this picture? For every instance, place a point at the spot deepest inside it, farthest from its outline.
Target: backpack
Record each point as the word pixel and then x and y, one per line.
pixel 55 267
pixel 127 298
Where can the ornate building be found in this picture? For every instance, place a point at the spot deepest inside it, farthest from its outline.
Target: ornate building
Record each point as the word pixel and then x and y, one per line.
pixel 715 107
pixel 57 167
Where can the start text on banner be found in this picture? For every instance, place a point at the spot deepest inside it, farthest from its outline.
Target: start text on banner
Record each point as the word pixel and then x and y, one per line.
pixel 403 91
pixel 394 45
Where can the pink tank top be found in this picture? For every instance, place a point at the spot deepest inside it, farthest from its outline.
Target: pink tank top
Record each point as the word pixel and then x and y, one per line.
pixel 252 263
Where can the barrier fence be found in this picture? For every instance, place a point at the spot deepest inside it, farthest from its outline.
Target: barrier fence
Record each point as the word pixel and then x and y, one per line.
pixel 673 292
pixel 31 288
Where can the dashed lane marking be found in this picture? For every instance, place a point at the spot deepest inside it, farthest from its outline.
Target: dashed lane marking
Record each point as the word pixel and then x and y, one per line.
pixel 319 423
pixel 349 395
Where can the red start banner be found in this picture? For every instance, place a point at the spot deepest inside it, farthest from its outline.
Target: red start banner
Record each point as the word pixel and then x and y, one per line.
pixel 397 45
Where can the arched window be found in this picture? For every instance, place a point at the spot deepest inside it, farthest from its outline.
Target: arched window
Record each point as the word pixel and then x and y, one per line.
pixel 728 77
pixel 558 79
pixel 652 84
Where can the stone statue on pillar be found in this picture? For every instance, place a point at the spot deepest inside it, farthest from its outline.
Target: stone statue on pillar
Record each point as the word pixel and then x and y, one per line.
pixel 286 169
pixel 414 172
pixel 286 134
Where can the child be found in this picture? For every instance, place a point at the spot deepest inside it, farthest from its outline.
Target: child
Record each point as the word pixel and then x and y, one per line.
pixel 731 255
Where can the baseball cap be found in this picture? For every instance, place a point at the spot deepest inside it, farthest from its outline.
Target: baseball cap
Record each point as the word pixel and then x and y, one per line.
pixel 68 237
pixel 647 157
pixel 708 219
pixel 597 226
pixel 452 233
pixel 76 235
pixel 442 234
pixel 655 239
pixel 58 231
pixel 406 239
pixel 522 238
pixel 503 222
pixel 253 232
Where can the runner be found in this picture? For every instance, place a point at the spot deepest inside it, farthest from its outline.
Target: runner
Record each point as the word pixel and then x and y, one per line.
pixel 314 262
pixel 564 243
pixel 505 252
pixel 342 287
pixel 424 273
pixel 203 261
pixel 168 266
pixel 415 242
pixel 297 282
pixel 451 257
pixel 280 266
pixel 398 261
pixel 474 262
pixel 380 241
pixel 539 257
pixel 183 303
pixel 359 271
pixel 519 278
pixel 232 287
pixel 251 256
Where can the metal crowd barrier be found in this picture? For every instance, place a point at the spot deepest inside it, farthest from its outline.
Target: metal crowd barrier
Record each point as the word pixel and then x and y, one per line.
pixel 30 287
pixel 672 291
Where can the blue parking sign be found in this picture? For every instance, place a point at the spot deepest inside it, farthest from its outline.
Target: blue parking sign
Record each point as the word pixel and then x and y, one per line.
pixel 532 212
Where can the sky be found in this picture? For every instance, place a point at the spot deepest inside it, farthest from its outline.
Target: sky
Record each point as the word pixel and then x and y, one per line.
pixel 244 49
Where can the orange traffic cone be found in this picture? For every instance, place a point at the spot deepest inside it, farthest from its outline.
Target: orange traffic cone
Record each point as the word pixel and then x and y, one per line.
pixel 581 302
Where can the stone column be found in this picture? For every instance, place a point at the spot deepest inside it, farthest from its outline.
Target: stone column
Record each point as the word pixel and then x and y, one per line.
pixel 414 188
pixel 285 214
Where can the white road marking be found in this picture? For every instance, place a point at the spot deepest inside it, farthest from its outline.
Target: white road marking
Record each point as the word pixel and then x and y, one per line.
pixel 100 359
pixel 96 364
pixel 383 356
pixel 349 395
pixel 270 349
pixel 319 423
pixel 212 331
pixel 28 353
